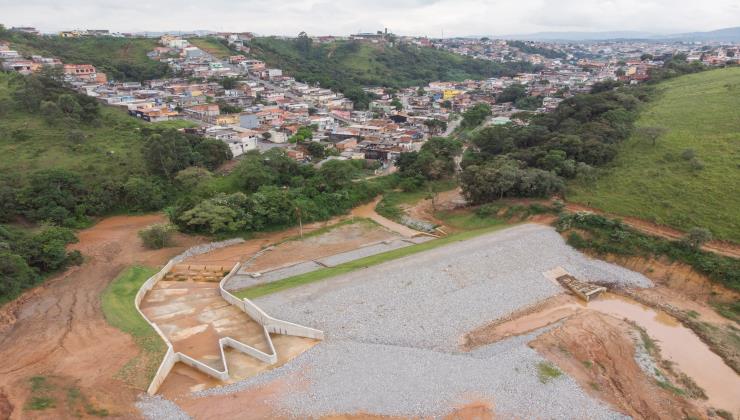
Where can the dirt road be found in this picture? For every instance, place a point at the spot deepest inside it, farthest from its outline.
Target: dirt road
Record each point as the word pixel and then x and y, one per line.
pixel 58 329
pixel 718 247
pixel 368 211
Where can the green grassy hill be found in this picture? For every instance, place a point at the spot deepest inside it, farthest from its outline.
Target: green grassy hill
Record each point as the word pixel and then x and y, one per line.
pixel 119 58
pixel 691 176
pixel 28 143
pixel 212 46
pixel 347 66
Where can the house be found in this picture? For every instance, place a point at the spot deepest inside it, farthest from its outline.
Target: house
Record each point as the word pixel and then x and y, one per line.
pixel 346 144
pixel 236 59
pixel 249 121
pixel 278 137
pixel 24 67
pixel 203 111
pixel 295 154
pixel 227 119
pixel 86 73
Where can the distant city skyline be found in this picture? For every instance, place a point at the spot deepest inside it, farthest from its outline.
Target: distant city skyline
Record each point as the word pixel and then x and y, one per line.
pixel 404 17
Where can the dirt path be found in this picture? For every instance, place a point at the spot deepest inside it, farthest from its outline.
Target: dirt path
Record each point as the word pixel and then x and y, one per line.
pixel 718 247
pixel 58 329
pixel 368 211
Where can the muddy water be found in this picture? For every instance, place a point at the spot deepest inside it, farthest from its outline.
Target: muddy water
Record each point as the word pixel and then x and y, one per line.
pixel 681 346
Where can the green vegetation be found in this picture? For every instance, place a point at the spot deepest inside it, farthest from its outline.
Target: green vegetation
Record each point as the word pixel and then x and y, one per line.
pixel 27 257
pixel 607 236
pixel 390 206
pixel 690 177
pixel 118 307
pixel 77 402
pixel 435 161
pixel 546 372
pixel 213 46
pixel 157 236
pixel 119 58
pixel 270 190
pixel 347 66
pixel 40 398
pixel 475 116
pixel 324 273
pixel 533 160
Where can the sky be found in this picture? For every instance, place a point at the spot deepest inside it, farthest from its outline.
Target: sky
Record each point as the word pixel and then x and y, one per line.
pixel 404 17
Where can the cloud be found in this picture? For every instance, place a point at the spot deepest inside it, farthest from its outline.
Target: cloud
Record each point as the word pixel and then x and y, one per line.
pixel 406 17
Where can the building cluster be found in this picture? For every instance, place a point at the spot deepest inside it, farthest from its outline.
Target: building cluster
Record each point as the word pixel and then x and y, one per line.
pixel 251 106
pixel 75 74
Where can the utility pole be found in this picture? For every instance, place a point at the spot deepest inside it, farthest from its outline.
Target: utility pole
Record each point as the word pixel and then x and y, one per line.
pixel 300 221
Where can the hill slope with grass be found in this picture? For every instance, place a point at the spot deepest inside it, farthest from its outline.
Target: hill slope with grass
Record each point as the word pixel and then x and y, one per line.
pixel 119 58
pixel 29 143
pixel 348 65
pixel 690 176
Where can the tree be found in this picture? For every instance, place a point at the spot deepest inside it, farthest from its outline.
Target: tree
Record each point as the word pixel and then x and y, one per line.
pixel 166 153
pixel 157 236
pixel 229 82
pixel 16 275
pixel 220 214
pixel 651 133
pixel 512 93
pixel 211 153
pixel 696 237
pixel 53 195
pixel 252 173
pixel 141 194
pixel 189 178
pixel 316 150
pixel 396 104
pixel 475 115
pixel 422 92
pixel 336 174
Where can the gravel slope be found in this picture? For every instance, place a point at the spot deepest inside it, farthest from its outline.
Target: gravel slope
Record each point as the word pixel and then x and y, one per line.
pixel 393 330
pixel 429 300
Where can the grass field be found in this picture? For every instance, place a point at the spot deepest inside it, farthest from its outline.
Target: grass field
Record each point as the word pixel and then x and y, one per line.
pixel 324 273
pixel 120 312
pixel 212 46
pixel 111 148
pixel 662 182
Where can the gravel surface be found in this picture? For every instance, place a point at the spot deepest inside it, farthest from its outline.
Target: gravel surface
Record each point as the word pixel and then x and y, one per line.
pixel 243 281
pixel 429 300
pixel 393 332
pixel 159 408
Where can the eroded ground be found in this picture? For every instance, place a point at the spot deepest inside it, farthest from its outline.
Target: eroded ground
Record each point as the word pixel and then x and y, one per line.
pixel 58 330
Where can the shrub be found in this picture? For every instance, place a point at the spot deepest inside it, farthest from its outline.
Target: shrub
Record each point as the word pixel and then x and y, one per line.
pixel 157 236
pixel 696 237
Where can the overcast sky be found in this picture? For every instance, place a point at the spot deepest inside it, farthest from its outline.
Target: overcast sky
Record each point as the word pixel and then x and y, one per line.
pixel 404 17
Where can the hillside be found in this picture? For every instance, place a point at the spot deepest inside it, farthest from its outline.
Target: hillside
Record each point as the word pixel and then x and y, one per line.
pixel 119 58
pixel 690 177
pixel 212 46
pixel 28 143
pixel 347 66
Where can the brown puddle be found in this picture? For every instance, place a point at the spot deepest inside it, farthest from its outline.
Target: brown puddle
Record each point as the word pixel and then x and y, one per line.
pixel 681 346
pixel 677 343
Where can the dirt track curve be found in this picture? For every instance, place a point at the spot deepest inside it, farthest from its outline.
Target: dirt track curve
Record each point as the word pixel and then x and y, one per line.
pixel 58 329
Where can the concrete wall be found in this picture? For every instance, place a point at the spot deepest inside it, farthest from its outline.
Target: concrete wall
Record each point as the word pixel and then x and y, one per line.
pixel 268 323
pixel 171 357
